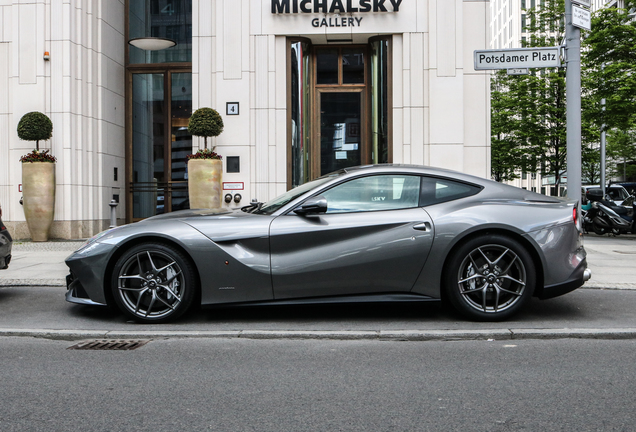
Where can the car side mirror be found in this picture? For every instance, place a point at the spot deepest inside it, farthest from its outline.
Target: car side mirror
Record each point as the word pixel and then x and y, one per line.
pixel 313 205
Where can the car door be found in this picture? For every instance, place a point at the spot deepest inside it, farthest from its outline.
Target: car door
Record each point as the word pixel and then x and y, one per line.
pixel 374 238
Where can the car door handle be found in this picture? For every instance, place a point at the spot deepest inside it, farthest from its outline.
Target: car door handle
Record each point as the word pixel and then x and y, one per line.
pixel 423 226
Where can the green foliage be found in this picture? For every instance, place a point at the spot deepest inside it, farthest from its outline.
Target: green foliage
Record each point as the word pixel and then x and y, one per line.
pixel 204 154
pixel 205 122
pixel 503 144
pixel 35 126
pixel 529 114
pixel 38 156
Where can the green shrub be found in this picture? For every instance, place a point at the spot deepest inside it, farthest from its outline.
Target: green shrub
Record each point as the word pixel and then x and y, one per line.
pixel 35 126
pixel 205 122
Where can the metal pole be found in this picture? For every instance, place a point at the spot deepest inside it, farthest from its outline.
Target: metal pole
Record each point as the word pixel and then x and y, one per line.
pixel 603 181
pixel 113 213
pixel 573 104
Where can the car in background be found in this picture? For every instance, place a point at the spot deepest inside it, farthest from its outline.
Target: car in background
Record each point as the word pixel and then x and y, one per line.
pixel 615 192
pixel 6 243
pixel 629 186
pixel 378 233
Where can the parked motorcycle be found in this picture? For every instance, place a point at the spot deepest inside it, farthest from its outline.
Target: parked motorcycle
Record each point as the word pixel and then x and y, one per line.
pixel 606 218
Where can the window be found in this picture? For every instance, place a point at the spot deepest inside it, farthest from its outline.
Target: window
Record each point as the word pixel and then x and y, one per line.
pixel 436 190
pixel 374 193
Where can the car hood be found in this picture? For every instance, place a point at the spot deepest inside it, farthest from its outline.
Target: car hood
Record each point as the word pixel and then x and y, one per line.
pixel 197 213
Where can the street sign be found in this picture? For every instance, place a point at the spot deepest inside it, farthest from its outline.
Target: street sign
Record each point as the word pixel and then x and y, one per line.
pixel 587 3
pixel 581 18
pixel 519 71
pixel 518 58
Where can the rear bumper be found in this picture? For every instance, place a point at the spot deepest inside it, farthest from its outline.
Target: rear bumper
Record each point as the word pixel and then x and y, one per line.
pixel 580 275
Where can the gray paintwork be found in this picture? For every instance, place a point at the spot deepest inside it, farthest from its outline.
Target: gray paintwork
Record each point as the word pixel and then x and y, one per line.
pixel 244 257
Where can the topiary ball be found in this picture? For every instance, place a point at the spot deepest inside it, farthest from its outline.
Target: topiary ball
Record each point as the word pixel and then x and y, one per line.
pixel 35 126
pixel 205 122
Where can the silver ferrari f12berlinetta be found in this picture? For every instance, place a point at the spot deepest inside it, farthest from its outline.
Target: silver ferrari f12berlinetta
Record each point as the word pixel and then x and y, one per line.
pixel 378 233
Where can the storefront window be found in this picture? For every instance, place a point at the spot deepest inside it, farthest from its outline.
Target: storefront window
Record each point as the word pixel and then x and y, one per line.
pixel 380 101
pixel 159 107
pixel 300 112
pixel 171 19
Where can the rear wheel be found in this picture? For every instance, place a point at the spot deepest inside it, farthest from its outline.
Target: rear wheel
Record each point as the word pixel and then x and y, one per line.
pixel 598 230
pixel 153 283
pixel 489 278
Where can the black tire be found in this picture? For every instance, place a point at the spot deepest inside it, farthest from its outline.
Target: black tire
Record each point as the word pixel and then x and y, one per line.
pixel 598 230
pixel 489 278
pixel 153 283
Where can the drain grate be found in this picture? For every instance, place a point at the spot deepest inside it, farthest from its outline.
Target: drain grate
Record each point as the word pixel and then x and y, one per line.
pixel 109 345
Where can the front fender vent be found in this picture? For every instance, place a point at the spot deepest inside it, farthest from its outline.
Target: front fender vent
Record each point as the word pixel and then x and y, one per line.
pixel 109 345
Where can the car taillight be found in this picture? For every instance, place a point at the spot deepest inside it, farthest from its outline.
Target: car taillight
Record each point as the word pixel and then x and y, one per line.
pixel 575 215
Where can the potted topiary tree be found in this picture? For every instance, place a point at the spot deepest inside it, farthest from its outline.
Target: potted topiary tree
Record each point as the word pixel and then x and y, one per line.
pixel 38 176
pixel 205 167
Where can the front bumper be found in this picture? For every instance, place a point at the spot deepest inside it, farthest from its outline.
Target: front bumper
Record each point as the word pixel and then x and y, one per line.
pixel 76 293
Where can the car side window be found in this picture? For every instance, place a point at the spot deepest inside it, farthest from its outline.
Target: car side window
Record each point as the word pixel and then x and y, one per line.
pixel 374 193
pixel 438 190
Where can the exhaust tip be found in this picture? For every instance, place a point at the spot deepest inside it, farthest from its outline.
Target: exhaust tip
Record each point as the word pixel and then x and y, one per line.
pixel 587 275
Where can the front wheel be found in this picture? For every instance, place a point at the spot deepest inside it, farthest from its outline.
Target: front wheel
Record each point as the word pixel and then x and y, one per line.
pixel 153 283
pixel 489 278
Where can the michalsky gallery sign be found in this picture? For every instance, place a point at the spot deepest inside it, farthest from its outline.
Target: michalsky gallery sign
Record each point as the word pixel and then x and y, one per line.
pixel 338 7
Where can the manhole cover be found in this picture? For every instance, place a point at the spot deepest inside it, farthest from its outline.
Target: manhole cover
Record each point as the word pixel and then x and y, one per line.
pixel 109 345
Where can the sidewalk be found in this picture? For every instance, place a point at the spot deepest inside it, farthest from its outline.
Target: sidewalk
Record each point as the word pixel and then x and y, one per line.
pixel 611 259
pixel 38 263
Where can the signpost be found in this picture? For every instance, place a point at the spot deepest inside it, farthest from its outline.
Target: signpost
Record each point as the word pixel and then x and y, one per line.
pixel 519 71
pixel 581 18
pixel 518 58
pixel 586 3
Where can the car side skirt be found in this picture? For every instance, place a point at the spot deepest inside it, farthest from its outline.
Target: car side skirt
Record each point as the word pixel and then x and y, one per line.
pixel 374 298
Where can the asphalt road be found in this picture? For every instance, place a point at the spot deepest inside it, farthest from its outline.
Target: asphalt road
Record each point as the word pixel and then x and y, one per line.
pixel 248 385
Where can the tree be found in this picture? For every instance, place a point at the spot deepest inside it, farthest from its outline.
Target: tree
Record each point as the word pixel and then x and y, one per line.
pixel 609 72
pixel 535 103
pixel 534 134
pixel 503 161
pixel 35 126
pixel 205 122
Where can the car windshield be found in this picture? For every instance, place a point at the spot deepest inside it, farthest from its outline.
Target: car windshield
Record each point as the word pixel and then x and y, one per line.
pixel 617 193
pixel 273 205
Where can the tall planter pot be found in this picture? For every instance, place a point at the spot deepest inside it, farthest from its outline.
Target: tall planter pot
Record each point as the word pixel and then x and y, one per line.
pixel 204 183
pixel 38 188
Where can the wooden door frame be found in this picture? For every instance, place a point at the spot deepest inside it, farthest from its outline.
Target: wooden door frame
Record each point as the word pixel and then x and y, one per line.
pixel 365 108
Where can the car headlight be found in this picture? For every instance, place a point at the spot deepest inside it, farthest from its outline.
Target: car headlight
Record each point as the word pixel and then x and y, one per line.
pixel 92 242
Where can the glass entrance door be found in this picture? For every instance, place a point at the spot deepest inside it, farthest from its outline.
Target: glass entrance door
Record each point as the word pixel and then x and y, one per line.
pixel 341 85
pixel 340 130
pixel 161 108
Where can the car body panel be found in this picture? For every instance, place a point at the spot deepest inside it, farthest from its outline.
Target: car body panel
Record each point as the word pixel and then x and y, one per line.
pixel 349 253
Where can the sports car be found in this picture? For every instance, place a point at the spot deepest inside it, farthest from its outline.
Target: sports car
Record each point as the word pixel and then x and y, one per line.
pixel 377 233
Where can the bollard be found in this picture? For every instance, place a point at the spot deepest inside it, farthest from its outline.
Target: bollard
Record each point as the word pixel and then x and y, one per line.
pixel 113 213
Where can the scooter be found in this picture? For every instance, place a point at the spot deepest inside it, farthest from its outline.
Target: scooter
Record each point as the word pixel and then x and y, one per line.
pixel 606 218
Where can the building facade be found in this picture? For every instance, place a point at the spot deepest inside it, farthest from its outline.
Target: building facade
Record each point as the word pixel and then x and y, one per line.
pixel 304 87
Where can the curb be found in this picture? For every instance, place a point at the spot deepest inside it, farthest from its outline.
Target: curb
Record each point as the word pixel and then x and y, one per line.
pixel 379 335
